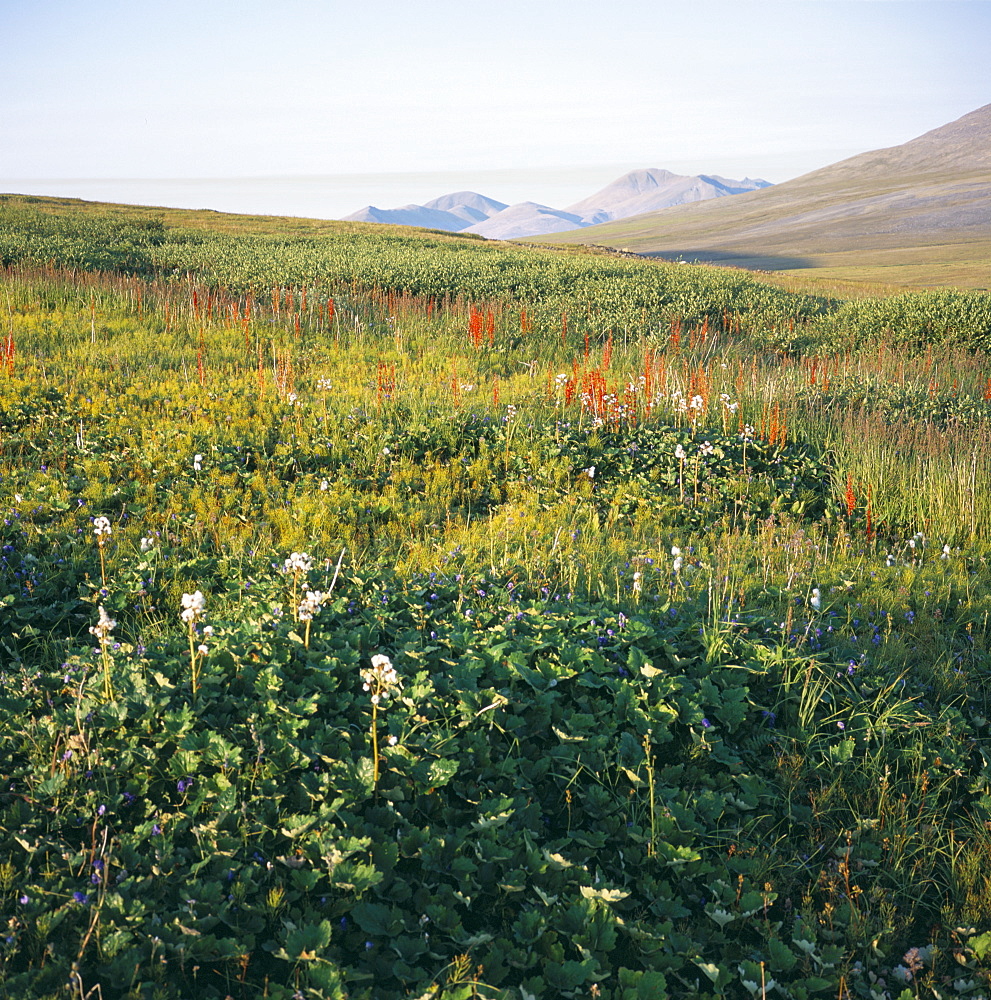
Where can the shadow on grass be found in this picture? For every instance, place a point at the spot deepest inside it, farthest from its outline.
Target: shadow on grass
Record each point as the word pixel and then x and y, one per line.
pixel 752 262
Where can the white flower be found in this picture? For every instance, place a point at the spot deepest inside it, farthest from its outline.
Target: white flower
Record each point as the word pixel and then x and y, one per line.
pixel 193 606
pixel 748 431
pixel 324 485
pixel 385 451
pixel 946 551
pixel 697 403
pixel 637 582
pixel 679 452
pixel 310 605
pixel 815 600
pixel 382 679
pixel 202 649
pixel 101 526
pixel 103 627
pixel 147 543
pixel 706 448
pixel 675 551
pixel 677 564
pixel 197 463
pixel 393 740
pixel 298 562
pixel 590 472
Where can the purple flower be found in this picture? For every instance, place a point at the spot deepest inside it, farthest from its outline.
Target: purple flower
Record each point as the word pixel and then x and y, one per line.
pixel 24 899
pixel 156 830
pixel 706 724
pixel 81 898
pixel 841 725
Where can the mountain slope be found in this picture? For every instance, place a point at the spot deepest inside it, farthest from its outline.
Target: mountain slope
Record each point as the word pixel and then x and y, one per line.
pixel 643 191
pixel 451 212
pixel 525 219
pixel 932 190
pixel 632 194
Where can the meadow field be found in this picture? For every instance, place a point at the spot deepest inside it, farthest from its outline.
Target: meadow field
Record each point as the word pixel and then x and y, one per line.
pixel 387 614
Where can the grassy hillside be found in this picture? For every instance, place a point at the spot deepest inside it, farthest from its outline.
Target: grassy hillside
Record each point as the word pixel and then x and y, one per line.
pixel 896 213
pixel 390 616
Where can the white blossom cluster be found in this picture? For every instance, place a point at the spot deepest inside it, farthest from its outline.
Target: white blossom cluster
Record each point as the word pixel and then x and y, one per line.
pixel 310 605
pixel 104 626
pixel 298 562
pixel 381 680
pixel 193 607
pixel 101 527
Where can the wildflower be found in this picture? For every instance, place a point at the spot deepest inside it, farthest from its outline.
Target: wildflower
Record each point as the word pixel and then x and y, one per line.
pixel 706 448
pixel 193 606
pixel 815 601
pixel 590 472
pixel 147 543
pixel 679 452
pixel 323 384
pixel 310 605
pixel 637 582
pixel 748 431
pixel 946 552
pixel 197 463
pixel 381 679
pixel 202 649
pixel 103 627
pixel 706 724
pixel 101 527
pixel 298 562
pixel 324 485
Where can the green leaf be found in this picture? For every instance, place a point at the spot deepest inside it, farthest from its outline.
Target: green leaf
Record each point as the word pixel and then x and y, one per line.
pixel 306 941
pixel 606 895
pixel 441 771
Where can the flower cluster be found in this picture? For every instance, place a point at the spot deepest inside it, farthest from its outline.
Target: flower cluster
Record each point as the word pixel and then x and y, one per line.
pixel 103 627
pixel 310 605
pixel 298 562
pixel 381 679
pixel 193 607
pixel 101 527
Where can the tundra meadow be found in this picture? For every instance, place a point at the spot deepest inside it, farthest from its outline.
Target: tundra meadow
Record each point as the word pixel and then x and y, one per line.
pixel 386 614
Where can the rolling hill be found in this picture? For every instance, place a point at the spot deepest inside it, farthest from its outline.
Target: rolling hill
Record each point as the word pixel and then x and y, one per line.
pixel 634 193
pixel 923 205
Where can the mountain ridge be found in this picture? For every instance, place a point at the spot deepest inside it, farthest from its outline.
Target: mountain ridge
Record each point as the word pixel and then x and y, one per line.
pixel 933 189
pixel 634 193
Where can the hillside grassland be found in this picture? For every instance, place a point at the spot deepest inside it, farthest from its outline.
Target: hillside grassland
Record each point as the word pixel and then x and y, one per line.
pixel 386 614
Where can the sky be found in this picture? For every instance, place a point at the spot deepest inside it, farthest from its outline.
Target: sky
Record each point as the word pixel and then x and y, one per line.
pixel 319 107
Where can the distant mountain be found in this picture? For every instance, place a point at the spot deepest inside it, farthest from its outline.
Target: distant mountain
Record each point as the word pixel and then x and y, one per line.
pixel 451 212
pixel 526 219
pixel 651 190
pixel 632 194
pixel 933 191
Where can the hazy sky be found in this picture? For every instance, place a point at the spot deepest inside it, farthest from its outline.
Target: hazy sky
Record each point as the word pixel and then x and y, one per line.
pixel 561 94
